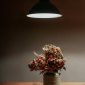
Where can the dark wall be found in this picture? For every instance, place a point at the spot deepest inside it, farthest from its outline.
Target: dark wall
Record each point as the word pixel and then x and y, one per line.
pixel 20 36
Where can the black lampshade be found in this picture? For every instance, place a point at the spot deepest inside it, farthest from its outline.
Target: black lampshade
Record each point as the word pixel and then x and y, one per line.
pixel 44 9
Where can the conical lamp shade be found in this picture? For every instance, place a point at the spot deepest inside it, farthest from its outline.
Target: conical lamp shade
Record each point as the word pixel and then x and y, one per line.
pixel 44 9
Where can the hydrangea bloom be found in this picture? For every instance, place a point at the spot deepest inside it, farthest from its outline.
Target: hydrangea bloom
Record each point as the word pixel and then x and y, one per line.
pixel 51 61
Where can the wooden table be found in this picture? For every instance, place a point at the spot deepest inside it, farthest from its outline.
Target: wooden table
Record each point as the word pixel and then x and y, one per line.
pixel 39 83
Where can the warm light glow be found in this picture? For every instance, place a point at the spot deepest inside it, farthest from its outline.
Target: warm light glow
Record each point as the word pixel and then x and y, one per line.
pixel 44 15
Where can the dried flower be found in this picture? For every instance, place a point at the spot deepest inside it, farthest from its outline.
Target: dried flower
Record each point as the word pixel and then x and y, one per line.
pixel 51 61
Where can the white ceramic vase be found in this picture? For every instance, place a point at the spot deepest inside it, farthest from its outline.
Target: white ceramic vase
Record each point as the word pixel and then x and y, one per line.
pixel 51 79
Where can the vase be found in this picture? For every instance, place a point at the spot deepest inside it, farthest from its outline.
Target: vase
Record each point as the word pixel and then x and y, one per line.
pixel 51 79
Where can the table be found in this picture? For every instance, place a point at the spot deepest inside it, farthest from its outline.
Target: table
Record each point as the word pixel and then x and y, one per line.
pixel 39 83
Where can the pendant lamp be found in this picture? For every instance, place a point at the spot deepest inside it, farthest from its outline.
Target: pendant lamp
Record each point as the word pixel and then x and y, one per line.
pixel 44 9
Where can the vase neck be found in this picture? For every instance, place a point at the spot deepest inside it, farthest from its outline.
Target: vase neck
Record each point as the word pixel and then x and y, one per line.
pixel 51 73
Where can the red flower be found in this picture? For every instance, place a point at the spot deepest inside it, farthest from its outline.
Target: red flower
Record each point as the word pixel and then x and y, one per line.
pixel 51 61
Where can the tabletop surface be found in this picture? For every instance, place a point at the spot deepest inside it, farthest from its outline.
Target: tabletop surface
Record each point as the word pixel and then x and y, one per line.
pixel 39 83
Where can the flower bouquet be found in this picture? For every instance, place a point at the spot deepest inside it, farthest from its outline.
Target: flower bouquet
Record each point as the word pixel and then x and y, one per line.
pixel 48 63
